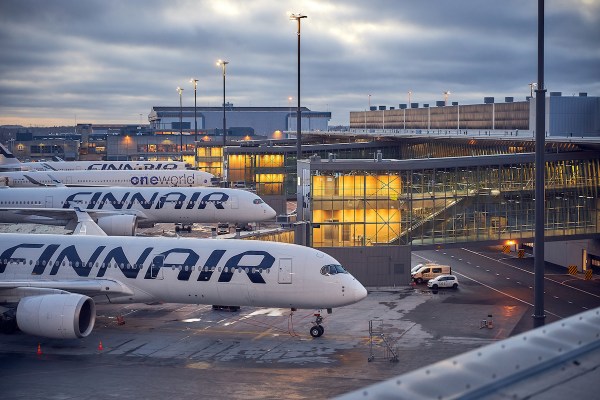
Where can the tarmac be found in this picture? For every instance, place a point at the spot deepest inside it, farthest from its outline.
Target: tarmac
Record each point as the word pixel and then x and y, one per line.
pixel 191 351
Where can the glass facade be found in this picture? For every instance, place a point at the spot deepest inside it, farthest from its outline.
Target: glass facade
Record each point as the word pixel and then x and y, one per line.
pixel 451 204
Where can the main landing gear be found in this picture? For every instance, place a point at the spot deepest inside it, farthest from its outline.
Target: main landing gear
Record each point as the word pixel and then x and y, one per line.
pixel 317 330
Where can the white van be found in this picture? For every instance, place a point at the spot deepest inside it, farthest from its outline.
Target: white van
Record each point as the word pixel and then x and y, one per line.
pixel 429 271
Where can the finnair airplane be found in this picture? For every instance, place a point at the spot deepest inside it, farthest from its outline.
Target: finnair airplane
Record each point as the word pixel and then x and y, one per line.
pixel 8 162
pixel 154 178
pixel 119 211
pixel 49 284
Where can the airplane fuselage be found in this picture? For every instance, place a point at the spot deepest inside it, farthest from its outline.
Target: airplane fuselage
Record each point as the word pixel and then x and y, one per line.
pixel 102 165
pixel 150 205
pixel 196 271
pixel 125 178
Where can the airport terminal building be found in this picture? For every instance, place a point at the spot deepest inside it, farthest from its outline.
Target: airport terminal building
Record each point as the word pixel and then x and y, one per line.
pixel 577 115
pixel 267 122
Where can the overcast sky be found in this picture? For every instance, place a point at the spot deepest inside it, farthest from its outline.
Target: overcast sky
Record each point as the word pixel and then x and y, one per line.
pixel 108 61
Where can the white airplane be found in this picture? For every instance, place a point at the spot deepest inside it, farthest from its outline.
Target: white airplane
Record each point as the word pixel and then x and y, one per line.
pixel 119 211
pixel 49 284
pixel 8 162
pixel 154 178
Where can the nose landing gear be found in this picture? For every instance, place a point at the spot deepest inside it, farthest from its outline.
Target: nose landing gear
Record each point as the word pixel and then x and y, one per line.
pixel 317 330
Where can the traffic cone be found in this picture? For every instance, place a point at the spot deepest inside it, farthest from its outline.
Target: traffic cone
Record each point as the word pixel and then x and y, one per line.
pixel 39 350
pixel 100 347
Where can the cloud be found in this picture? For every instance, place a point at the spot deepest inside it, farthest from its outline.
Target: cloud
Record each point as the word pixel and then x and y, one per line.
pixel 107 61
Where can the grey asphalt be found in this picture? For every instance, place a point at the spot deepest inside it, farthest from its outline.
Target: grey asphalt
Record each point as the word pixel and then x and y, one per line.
pixel 191 351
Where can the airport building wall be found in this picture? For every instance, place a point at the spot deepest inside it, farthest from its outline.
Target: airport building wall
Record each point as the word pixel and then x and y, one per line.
pixel 585 254
pixel 577 115
pixel 374 266
pixel 263 121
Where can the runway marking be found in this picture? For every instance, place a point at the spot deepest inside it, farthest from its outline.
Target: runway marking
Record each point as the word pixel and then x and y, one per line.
pixel 504 293
pixel 531 273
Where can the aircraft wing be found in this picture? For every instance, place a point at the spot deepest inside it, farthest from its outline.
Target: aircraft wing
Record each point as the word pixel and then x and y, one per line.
pixel 86 225
pixel 88 287
pixel 63 216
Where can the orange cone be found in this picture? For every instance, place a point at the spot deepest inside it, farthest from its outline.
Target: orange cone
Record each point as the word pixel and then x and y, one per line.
pixel 39 350
pixel 100 347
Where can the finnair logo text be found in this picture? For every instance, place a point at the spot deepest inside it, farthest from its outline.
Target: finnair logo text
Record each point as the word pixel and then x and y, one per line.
pixel 130 166
pixel 107 200
pixel 55 256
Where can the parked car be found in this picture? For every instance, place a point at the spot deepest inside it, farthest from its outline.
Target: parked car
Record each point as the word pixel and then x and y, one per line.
pixel 441 281
pixel 222 229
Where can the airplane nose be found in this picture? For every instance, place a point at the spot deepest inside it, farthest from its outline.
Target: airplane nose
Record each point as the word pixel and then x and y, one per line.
pixel 359 291
pixel 270 212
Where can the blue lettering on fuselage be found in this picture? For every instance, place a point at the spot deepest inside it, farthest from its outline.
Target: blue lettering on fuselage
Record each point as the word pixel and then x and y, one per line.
pixel 132 166
pixel 69 257
pixel 98 200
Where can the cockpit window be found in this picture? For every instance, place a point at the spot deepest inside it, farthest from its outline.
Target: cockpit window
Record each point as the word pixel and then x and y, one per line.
pixel 258 201
pixel 333 269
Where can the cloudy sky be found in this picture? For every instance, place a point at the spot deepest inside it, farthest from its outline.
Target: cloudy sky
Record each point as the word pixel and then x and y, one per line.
pixel 108 61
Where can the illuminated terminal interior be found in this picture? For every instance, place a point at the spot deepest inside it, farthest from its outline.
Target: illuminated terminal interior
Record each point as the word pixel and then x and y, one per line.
pixel 423 202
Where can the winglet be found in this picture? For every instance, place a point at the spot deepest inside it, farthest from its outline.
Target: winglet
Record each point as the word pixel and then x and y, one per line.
pixel 56 182
pixel 86 225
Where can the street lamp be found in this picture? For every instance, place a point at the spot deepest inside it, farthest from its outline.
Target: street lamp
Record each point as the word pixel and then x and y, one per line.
pixel 531 86
pixel 180 90
pixel 298 17
pixel 195 82
pixel 446 94
pixel 223 64
pixel 409 94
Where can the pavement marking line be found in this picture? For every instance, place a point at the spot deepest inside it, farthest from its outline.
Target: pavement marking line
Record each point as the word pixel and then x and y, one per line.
pixel 505 294
pixel 531 273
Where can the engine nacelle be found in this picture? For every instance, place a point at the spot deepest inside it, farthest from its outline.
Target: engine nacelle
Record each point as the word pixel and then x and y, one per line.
pixel 57 316
pixel 118 225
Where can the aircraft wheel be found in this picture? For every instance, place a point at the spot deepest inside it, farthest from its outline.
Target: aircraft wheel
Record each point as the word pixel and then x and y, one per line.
pixel 321 329
pixel 315 331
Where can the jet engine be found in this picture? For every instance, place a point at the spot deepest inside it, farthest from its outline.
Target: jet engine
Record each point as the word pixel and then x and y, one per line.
pixel 57 316
pixel 118 225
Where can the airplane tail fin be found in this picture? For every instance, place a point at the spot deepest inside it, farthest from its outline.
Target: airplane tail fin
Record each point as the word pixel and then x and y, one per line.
pixel 86 225
pixel 8 159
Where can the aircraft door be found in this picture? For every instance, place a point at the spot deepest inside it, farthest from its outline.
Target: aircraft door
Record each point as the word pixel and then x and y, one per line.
pixel 156 267
pixel 48 202
pixel 285 270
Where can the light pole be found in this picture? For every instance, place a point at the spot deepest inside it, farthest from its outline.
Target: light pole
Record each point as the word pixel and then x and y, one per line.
pixel 298 18
pixel 446 94
pixel 180 90
pixel 540 178
pixel 195 82
pixel 290 98
pixel 409 94
pixel 223 64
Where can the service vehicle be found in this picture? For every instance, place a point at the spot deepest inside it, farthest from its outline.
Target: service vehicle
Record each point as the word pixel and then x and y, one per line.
pixel 429 271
